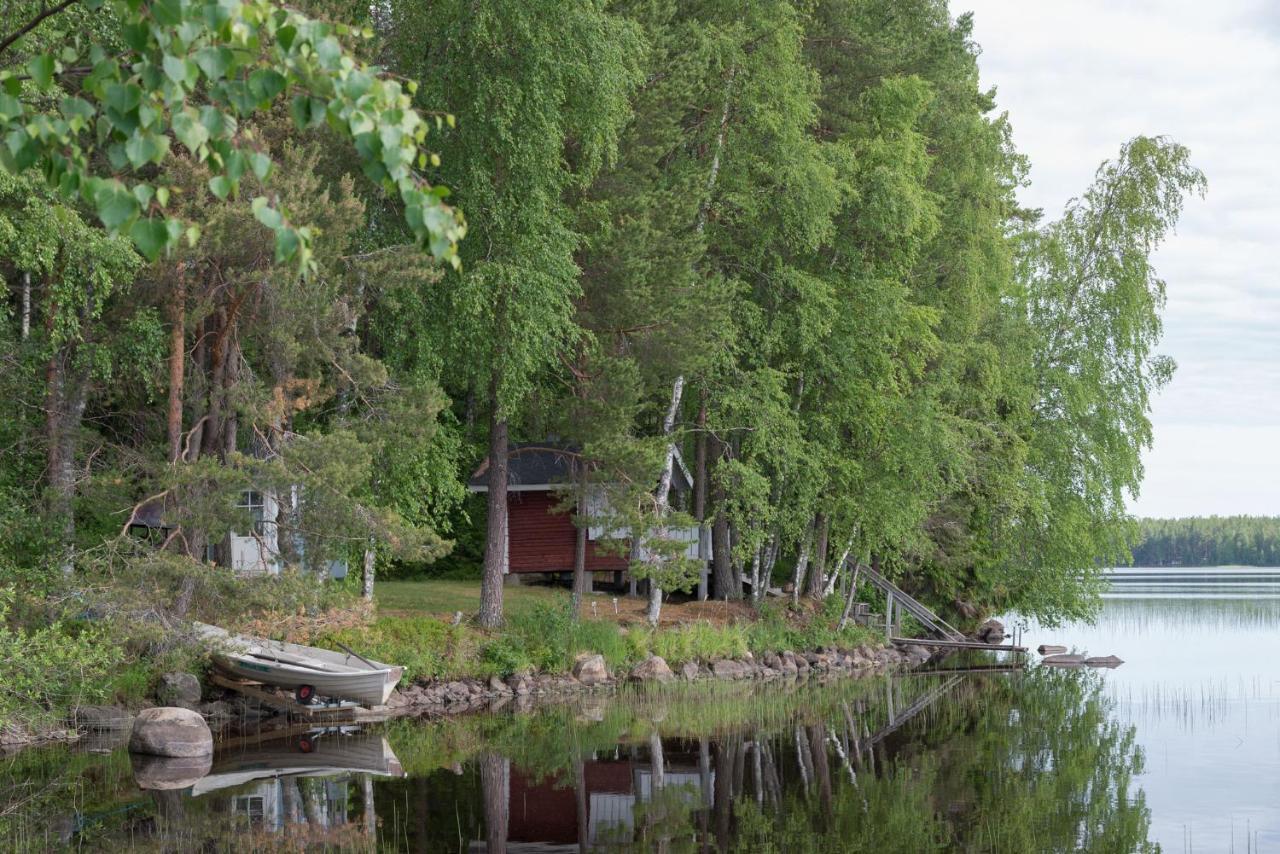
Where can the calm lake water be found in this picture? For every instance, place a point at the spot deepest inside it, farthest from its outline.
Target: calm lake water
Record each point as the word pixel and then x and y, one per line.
pixel 1177 750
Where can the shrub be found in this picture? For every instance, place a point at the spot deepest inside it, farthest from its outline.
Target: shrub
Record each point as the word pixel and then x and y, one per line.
pixel 52 668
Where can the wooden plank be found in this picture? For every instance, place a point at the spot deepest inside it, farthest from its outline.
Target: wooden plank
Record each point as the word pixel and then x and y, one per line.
pixel 953 644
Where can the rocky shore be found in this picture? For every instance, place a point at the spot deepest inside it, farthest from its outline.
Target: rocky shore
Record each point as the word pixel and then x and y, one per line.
pixel 227 712
pixel 591 674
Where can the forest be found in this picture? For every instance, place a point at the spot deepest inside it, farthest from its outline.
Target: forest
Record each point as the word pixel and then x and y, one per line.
pixel 296 271
pixel 1208 541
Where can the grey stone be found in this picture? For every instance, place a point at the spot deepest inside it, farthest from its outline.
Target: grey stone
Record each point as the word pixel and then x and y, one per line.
pixel 497 686
pixel 652 669
pixel 1063 660
pixel 992 631
pixel 170 731
pixel 690 670
pixel 590 669
pixel 101 718
pixel 1103 661
pixel 178 689
pixel 218 711
pixel 727 669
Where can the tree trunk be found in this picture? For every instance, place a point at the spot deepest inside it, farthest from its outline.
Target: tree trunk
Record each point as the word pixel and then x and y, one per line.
pixel 580 582
pixel 495 787
pixel 26 306
pixel 495 548
pixel 802 564
pixel 663 495
pixel 818 575
pixel 366 589
pixel 721 548
pixel 177 366
pixel 848 601
pixel 700 497
pixel 838 568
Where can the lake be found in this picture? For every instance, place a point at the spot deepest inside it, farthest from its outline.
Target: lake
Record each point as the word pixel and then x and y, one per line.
pixel 1176 750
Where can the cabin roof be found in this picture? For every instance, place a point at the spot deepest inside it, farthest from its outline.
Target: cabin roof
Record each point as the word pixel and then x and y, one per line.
pixel 538 466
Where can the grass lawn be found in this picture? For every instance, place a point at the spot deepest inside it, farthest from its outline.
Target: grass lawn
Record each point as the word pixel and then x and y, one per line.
pixel 442 596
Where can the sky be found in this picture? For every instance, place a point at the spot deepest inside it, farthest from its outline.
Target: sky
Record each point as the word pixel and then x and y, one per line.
pixel 1080 78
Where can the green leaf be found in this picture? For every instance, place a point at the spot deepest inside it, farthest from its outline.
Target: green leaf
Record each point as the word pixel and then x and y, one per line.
pixel 189 130
pixel 265 214
pixel 10 108
pixel 266 84
pixel 214 61
pixel 167 13
pixel 114 204
pixel 285 36
pixel 40 67
pixel 260 164
pixel 175 69
pixel 151 236
pixel 144 148
pixel 220 186
pixel 287 243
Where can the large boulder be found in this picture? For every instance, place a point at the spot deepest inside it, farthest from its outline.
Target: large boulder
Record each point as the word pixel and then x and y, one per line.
pixel 170 731
pixel 652 669
pixel 162 773
pixel 992 631
pixel 178 689
pixel 590 669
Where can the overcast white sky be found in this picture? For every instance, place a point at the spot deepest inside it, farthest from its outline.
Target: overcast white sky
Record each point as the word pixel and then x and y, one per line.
pixel 1079 78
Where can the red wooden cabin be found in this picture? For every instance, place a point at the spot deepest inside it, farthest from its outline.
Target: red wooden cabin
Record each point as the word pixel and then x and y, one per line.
pixel 540 535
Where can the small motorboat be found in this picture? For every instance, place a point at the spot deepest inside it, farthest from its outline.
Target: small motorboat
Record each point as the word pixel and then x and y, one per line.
pixel 308 671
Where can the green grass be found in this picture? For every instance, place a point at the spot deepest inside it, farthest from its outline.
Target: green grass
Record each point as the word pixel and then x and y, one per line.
pixel 445 596
pixel 540 634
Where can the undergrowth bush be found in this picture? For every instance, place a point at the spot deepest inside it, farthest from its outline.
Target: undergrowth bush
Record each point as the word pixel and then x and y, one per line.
pixel 50 669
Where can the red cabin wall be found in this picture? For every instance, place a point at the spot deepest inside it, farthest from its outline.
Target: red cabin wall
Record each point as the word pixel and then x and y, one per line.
pixel 543 540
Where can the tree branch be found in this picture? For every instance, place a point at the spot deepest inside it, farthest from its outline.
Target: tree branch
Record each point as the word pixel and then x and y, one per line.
pixel 45 13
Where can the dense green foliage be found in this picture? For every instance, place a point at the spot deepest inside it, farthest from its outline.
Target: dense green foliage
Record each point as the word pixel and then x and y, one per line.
pixel 777 240
pixel 1208 541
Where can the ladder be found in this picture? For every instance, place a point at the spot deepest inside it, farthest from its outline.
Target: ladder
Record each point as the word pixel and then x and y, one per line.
pixel 894 595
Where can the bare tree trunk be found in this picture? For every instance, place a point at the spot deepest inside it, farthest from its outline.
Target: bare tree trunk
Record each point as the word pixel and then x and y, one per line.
pixel 495 786
pixel 177 366
pixel 818 575
pixel 370 814
pixel 848 601
pixel 700 496
pixel 496 533
pixel 26 306
pixel 721 547
pixel 837 568
pixel 802 563
pixel 581 584
pixel 663 495
pixel 366 587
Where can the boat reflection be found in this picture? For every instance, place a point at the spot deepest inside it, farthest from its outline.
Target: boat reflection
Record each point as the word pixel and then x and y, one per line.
pixel 309 787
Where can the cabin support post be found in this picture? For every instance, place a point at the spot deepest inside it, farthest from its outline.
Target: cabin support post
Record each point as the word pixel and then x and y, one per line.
pixel 888 615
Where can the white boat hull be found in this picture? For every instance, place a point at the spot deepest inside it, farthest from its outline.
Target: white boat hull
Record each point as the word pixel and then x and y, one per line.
pixel 291 666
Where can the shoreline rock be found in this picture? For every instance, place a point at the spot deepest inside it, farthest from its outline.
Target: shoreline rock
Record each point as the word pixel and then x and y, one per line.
pixel 171 731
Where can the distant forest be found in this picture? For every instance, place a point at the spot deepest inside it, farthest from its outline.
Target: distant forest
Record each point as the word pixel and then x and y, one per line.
pixel 1209 541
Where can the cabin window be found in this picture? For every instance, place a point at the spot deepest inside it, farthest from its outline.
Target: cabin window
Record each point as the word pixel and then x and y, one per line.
pixel 251 500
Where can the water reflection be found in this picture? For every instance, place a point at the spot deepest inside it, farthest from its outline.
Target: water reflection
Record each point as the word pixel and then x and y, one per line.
pixel 978 762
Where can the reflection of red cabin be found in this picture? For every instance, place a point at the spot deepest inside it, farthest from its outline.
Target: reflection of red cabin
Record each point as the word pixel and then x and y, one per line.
pixel 540 534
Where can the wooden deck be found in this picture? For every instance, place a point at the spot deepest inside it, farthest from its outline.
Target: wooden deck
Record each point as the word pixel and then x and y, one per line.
pixel 960 644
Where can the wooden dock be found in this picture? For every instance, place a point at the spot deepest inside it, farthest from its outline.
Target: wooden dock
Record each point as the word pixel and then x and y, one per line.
pixel 960 644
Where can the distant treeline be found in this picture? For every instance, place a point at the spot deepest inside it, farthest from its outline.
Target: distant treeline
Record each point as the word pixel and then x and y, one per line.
pixel 1209 541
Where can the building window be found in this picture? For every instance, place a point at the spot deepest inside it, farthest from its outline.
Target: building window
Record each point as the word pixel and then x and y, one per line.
pixel 252 501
